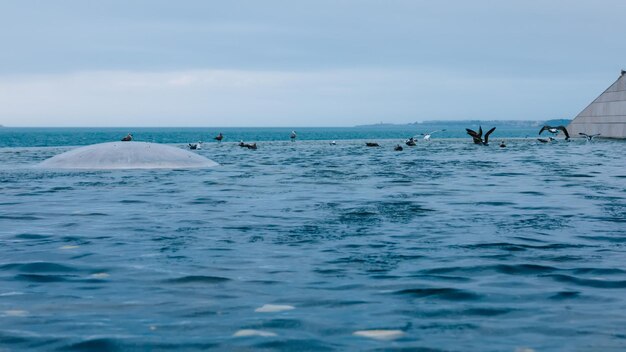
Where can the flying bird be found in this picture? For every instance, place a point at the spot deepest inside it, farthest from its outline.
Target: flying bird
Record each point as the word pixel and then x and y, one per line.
pixel 478 136
pixel 555 130
pixel 427 135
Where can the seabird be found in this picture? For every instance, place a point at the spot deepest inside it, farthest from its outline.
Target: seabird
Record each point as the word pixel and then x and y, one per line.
pixel 502 145
pixel 543 140
pixel 555 130
pixel 478 137
pixel 333 143
pixel 410 142
pixel 398 148
pixel 247 145
pixel 427 135
pixel 194 146
pixel 372 144
pixel 128 138
pixel 219 137
pixel 589 136
pixel 293 136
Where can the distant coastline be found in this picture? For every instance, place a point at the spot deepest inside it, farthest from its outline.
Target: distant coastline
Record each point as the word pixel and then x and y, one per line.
pixel 509 123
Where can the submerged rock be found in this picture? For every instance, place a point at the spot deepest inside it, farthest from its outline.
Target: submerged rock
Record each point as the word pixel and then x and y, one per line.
pixel 127 155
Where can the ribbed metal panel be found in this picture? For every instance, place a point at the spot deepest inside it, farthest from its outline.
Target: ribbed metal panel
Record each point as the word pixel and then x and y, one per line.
pixel 605 115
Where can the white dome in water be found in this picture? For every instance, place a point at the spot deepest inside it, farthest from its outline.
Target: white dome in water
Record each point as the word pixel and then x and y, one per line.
pixel 127 155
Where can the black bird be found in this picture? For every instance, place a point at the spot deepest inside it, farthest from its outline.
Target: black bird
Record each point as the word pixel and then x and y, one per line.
pixel 555 130
pixel 502 145
pixel 219 137
pixel 478 136
pixel 195 146
pixel 398 148
pixel 372 144
pixel 247 145
pixel 588 136
pixel 128 138
pixel 411 142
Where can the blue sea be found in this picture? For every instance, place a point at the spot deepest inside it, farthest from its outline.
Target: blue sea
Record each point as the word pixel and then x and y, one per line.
pixel 307 246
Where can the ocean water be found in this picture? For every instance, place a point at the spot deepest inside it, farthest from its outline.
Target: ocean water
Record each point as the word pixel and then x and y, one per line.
pixel 446 246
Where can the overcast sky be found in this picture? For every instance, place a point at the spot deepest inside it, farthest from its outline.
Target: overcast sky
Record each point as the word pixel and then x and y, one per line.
pixel 303 63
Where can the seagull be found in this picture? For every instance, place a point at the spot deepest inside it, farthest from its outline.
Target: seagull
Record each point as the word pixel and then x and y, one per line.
pixel 293 136
pixel 478 137
pixel 128 138
pixel 427 135
pixel 219 137
pixel 555 130
pixel 194 146
pixel 372 144
pixel 411 142
pixel 543 140
pixel 333 143
pixel 588 136
pixel 398 148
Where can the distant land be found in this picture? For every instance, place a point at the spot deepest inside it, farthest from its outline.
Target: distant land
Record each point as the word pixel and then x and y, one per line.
pixel 508 123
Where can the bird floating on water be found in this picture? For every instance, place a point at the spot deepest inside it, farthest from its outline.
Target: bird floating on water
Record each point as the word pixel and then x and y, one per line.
pixel 555 130
pixel 478 136
pixel 293 136
pixel 410 142
pixel 398 148
pixel 195 146
pixel 502 145
pixel 128 138
pixel 333 143
pixel 428 135
pixel 589 136
pixel 247 145
pixel 372 144
pixel 219 137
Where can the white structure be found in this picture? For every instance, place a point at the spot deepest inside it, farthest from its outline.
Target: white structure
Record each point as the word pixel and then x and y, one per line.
pixel 605 115
pixel 127 155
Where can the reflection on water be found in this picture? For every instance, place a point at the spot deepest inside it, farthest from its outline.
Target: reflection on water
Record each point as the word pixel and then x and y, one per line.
pixel 309 246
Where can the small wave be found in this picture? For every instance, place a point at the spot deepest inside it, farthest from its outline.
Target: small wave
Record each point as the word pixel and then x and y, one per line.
pixel 565 295
pixel 198 279
pixel 38 267
pixel 597 283
pixel 41 278
pixel 451 294
pixel 32 236
pixel 20 217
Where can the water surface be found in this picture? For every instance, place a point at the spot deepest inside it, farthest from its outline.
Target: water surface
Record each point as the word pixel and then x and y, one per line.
pixel 460 247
